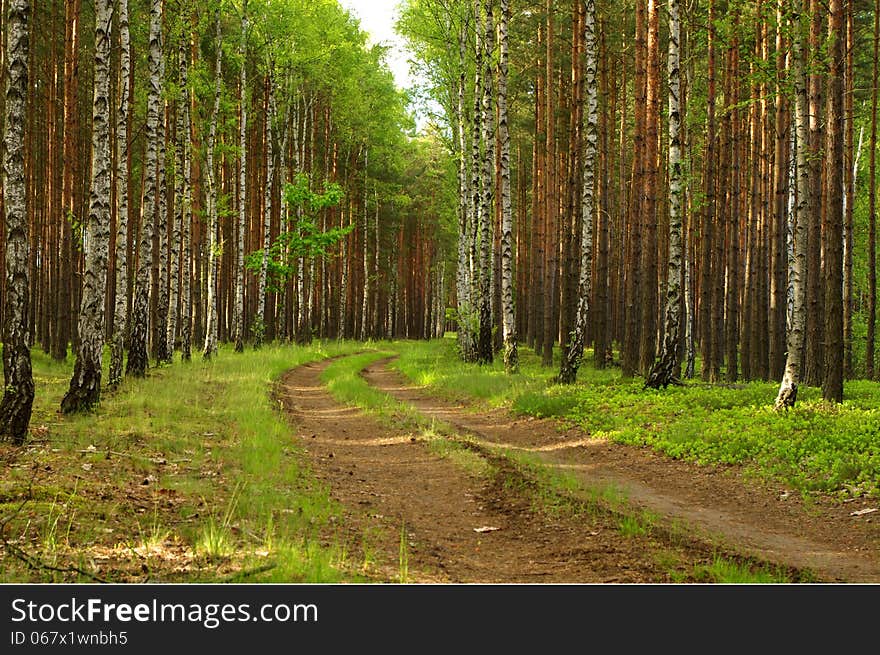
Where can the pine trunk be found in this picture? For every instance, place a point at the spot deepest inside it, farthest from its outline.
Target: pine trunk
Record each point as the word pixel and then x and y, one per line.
pixel 832 384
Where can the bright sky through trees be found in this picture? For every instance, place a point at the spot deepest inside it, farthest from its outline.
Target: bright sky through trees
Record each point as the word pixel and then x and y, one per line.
pixel 377 17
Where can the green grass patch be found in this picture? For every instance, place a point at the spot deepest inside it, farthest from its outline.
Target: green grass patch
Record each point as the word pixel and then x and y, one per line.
pixel 188 474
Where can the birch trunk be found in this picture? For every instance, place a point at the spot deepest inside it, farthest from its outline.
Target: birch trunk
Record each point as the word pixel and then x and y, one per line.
pixel 162 354
pixel 259 329
pixel 508 308
pixel 85 386
pixel 18 392
pixel 572 357
pixel 484 340
pixel 791 378
pixel 663 372
pixel 176 220
pixel 120 311
pixel 186 215
pixel 238 310
pixel 463 278
pixel 366 259
pixel 137 353
pixel 210 348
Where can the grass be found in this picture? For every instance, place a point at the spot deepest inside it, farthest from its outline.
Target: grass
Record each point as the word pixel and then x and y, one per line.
pixel 815 447
pixel 189 474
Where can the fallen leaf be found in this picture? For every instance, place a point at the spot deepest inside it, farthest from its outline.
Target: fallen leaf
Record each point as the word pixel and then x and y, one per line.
pixel 862 512
pixel 486 528
pixel 90 449
pixel 86 467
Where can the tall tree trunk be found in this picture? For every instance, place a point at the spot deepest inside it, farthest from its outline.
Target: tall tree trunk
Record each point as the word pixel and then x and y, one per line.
pixel 634 309
pixel 484 340
pixel 85 386
pixel 663 371
pixel 238 311
pixel 849 170
pixel 788 389
pixel 508 309
pixel 64 311
pixel 138 359
pixel 161 317
pixel 463 272
pixel 18 391
pixel 872 211
pixel 550 205
pixel 832 384
pixel 814 338
pixel 174 251
pixel 210 348
pixel 120 312
pixel 778 233
pixel 648 348
pixel 259 329
pixel 572 357
pixel 186 215
pixel 708 368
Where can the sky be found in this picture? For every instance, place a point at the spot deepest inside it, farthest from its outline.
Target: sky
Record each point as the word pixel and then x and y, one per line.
pixel 377 18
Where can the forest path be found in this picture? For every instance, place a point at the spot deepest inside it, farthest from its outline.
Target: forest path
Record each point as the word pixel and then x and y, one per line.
pixel 411 514
pixel 725 506
pixel 399 497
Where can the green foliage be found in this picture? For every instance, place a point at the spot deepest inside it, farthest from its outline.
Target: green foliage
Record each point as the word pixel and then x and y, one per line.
pixel 303 238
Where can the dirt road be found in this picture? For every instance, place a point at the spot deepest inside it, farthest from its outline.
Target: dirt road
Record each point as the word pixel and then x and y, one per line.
pixel 412 514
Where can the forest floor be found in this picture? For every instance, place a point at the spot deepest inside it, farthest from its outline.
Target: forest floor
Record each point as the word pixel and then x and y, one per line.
pixel 395 462
pixel 485 495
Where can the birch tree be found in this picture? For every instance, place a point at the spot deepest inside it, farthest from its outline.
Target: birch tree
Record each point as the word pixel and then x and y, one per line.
pixel 120 310
pixel 508 309
pixel 238 308
pixel 138 359
pixel 210 348
pixel 487 115
pixel 788 389
pixel 259 328
pixel 186 211
pixel 18 392
pixel 663 372
pixel 85 386
pixel 572 358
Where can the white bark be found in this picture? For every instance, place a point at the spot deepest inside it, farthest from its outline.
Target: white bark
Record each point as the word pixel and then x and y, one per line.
pixel 120 311
pixel 85 386
pixel 508 308
pixel 18 391
pixel 260 323
pixel 238 306
pixel 787 395
pixel 487 243
pixel 663 371
pixel 572 359
pixel 137 354
pixel 211 319
pixel 463 271
pixel 186 217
